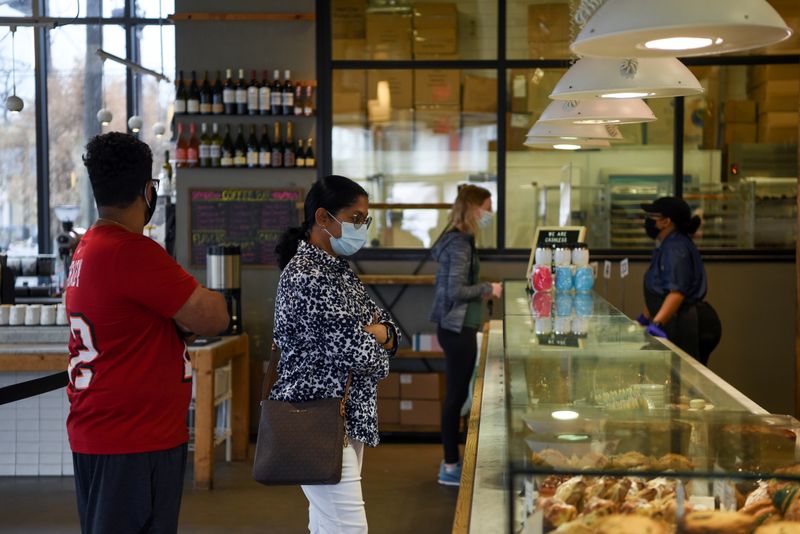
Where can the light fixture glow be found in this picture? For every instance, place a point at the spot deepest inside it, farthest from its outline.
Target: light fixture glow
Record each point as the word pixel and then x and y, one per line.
pixel 550 143
pixel 567 138
pixel 679 43
pixel 655 28
pixel 623 78
pixel 566 146
pixel 565 415
pixel 159 129
pixel 626 95
pixel 597 111
pixel 135 123
pixel 104 117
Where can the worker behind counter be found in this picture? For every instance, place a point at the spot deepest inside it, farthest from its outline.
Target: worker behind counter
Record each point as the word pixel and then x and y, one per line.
pixel 675 284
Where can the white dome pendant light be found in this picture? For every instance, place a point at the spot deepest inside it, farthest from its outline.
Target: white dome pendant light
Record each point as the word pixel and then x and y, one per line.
pixel 660 28
pixel 14 104
pixel 135 123
pixel 655 77
pixel 553 143
pixel 597 111
pixel 574 132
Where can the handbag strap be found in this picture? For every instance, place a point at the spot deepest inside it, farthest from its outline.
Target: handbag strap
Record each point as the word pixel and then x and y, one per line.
pixel 271 374
pixel 346 394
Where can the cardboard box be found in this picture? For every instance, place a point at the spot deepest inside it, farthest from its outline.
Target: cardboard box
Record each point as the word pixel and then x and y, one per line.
pixel 480 94
pixel 389 387
pixel 737 133
pixel 548 30
pixel 517 126
pixel 549 50
pixel 437 87
pixel 348 102
pixel 423 341
pixel 518 89
pixel 424 386
pixel 401 87
pixel 771 134
pixel 420 412
pixel 389 36
pixel 760 74
pixel 435 41
pixel 348 19
pixel 349 49
pixel 739 111
pixel 388 411
pixel 775 88
pixel 440 121
pixel 435 15
pixel 779 119
pixel 540 84
pixel 349 88
pixel 661 131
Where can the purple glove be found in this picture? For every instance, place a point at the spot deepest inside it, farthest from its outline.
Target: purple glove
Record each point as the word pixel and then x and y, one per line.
pixel 642 320
pixel 656 331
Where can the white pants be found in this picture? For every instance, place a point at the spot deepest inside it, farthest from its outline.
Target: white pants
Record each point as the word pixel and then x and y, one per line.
pixel 339 508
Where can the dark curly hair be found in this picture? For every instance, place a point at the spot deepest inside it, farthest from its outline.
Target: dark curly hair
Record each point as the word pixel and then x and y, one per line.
pixel 332 193
pixel 119 167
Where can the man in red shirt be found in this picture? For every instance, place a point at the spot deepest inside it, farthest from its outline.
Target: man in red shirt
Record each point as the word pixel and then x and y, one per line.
pixel 130 305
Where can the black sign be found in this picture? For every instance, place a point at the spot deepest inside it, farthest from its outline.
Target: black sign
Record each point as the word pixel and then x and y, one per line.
pixel 254 219
pixel 568 237
pixel 560 340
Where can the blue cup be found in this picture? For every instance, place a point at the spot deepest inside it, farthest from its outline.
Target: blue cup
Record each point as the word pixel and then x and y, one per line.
pixel 584 279
pixel 584 304
pixel 564 302
pixel 564 279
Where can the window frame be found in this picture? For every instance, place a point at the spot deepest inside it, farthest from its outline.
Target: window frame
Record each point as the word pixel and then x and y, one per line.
pixel 501 65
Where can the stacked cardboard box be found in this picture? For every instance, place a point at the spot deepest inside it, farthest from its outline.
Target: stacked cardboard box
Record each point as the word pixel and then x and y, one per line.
pixel 401 86
pixel 739 121
pixel 389 35
pixel 776 91
pixel 348 29
pixel 349 90
pixel 389 400
pixel 437 88
pixel 420 398
pixel 549 30
pixel 435 29
pixel 480 94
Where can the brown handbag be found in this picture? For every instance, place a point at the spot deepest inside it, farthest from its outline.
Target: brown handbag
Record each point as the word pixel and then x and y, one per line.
pixel 299 442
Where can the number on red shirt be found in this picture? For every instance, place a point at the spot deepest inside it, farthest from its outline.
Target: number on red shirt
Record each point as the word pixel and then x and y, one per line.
pixel 80 372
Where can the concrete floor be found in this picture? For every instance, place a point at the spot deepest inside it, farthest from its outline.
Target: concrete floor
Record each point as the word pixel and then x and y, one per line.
pixel 399 484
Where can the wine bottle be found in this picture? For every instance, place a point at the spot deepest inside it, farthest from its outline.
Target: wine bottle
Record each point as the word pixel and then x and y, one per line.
pixel 310 160
pixel 264 95
pixel 229 95
pixel 205 146
pixel 215 148
pixel 298 99
pixel 252 95
pixel 180 95
pixel 181 148
pixel 193 152
pixel 240 150
pixel 265 148
pixel 276 98
pixel 241 95
pixel 276 160
pixel 166 174
pixel 288 148
pixel 288 94
pixel 300 155
pixel 205 96
pixel 193 100
pixel 226 155
pixel 217 104
pixel 252 148
pixel 308 103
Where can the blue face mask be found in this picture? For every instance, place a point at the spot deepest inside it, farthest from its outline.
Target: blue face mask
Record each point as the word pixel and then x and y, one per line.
pixel 485 219
pixel 352 240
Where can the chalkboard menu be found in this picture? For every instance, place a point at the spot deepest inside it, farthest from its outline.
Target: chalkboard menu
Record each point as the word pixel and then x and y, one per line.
pixel 254 219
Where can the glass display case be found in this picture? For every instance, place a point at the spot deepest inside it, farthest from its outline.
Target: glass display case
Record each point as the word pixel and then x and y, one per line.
pixel 606 429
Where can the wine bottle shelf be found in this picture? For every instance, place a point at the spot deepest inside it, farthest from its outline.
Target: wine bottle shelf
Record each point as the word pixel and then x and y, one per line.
pixel 199 117
pixel 237 169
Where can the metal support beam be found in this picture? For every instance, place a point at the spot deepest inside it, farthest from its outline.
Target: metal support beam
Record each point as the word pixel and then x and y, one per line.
pixel 42 143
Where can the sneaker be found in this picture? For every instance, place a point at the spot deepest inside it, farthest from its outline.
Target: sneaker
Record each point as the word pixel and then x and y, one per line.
pixel 449 478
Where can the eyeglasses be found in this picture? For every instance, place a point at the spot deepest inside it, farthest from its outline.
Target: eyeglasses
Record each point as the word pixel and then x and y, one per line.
pixel 156 183
pixel 358 222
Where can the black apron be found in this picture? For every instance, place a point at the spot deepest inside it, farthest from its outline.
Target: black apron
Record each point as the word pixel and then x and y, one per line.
pixel 695 328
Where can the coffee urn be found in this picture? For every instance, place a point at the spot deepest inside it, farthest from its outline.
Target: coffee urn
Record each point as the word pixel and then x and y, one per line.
pixel 223 274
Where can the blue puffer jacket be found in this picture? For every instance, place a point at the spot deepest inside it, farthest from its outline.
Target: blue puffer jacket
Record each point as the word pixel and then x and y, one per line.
pixel 453 290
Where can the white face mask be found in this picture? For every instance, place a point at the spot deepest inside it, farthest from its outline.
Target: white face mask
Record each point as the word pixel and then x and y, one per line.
pixel 352 240
pixel 485 219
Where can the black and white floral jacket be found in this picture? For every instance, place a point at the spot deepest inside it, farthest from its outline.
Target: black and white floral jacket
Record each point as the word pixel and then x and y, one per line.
pixel 320 312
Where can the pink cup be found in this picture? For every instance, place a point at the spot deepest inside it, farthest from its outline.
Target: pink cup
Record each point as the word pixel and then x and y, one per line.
pixel 542 278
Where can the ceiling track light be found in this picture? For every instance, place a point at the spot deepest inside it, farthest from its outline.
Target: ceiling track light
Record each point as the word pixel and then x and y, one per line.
pixel 14 104
pixel 656 77
pixel 656 28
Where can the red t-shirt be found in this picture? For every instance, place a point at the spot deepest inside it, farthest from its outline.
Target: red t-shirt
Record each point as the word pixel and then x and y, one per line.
pixel 130 376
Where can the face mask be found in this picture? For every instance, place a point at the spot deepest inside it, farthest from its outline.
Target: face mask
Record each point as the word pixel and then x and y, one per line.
pixel 485 219
pixel 151 205
pixel 650 228
pixel 352 238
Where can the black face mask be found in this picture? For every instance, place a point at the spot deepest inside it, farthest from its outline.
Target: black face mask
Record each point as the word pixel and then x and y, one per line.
pixel 151 206
pixel 650 228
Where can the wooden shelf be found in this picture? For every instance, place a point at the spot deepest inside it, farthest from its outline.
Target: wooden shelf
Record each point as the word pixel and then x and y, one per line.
pixel 398 279
pixel 397 206
pixel 206 16
pixel 416 354
pixel 211 117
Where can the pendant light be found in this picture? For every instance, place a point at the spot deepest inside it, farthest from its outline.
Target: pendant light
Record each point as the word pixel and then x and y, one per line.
pixel 159 129
pixel 655 77
pixel 597 111
pixel 573 132
pixel 104 116
pixel 660 28
pixel 14 104
pixel 561 144
pixel 135 123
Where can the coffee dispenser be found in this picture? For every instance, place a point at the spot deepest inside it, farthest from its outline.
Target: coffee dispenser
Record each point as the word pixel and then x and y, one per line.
pixel 223 274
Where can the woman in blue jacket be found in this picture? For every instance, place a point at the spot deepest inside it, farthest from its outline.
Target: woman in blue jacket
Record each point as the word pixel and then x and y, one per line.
pixel 458 311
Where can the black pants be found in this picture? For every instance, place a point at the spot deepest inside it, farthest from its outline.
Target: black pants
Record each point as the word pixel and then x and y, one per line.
pixel 460 351
pixel 130 493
